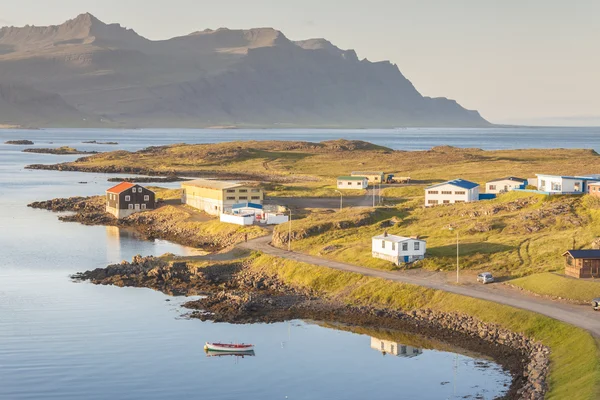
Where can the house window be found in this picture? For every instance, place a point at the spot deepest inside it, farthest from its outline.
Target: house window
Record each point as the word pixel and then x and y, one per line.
pixel 146 197
pixel 230 191
pixel 578 186
pixel 143 206
pixel 137 206
pixel 459 201
pixel 255 197
pixel 446 201
pixel 393 246
pixel 433 192
pixel 231 198
pixel 446 192
pixel 255 190
pixel 383 244
pixel 404 246
pixel 570 260
pixel 432 202
pixel 556 186
pixel 243 197
pixel 130 206
pixel 392 348
pixel 243 190
pixel 492 187
pixel 358 183
pixel 460 192
pixel 127 198
pixel 542 184
pixel 349 183
pixel 417 245
pixel 134 190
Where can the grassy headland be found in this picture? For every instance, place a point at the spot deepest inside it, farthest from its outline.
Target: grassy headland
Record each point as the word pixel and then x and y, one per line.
pixel 575 357
pixel 514 235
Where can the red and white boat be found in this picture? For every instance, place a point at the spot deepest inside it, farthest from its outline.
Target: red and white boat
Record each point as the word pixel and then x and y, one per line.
pixel 229 347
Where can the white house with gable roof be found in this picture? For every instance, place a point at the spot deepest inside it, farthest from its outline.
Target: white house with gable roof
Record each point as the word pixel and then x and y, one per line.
pixel 454 191
pixel 398 249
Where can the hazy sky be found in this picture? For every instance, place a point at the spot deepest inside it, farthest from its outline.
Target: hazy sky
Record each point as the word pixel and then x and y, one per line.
pixel 516 61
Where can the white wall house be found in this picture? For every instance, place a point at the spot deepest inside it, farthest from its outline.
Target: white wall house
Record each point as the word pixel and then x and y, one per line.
pixel 561 184
pixel 504 185
pixel 352 182
pixel 394 348
pixel 455 191
pixel 398 249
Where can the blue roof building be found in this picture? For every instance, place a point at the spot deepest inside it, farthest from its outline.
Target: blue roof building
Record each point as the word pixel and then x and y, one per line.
pixel 451 192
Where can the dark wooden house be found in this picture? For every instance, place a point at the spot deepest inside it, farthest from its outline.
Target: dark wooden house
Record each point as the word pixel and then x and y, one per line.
pixel 582 263
pixel 127 198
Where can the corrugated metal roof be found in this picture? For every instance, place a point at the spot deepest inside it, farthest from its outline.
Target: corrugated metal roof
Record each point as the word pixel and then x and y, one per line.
pixel 395 238
pixel 583 253
pixel 212 184
pixel 121 187
pixel 351 178
pixel 509 178
pixel 457 182
pixel 366 173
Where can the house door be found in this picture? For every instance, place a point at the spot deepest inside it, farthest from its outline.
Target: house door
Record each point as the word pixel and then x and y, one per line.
pixel 137 206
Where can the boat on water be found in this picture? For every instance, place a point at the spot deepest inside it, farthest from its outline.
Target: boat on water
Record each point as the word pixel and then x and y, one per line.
pixel 229 347
pixel 242 354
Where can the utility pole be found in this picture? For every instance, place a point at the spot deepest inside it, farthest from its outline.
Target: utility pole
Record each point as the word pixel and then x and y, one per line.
pixel 457 255
pixel 373 195
pixel 290 231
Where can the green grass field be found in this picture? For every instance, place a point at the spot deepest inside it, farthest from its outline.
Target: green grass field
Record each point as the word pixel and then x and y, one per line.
pixel 516 235
pixel 554 285
pixel 575 356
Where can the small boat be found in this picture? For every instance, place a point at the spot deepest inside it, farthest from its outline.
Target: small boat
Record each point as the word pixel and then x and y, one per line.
pixel 229 347
pixel 242 354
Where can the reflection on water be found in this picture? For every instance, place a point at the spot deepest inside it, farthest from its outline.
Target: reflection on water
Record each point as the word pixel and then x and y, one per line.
pixel 62 340
pixel 241 354
pixel 394 348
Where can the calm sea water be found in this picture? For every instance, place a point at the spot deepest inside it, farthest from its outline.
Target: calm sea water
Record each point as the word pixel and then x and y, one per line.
pixel 65 340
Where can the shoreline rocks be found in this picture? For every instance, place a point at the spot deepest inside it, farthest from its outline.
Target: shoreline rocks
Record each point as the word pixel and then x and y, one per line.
pixel 143 179
pixel 235 293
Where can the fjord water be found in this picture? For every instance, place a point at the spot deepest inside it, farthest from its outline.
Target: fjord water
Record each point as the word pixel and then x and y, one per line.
pixel 65 340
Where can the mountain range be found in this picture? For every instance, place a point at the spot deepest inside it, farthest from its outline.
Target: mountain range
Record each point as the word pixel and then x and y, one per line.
pixel 88 73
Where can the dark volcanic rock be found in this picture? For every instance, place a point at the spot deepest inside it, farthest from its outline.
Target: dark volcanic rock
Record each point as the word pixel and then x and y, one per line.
pixel 19 142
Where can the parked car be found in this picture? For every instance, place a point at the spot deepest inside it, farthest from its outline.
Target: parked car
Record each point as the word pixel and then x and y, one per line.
pixel 485 277
pixel 596 304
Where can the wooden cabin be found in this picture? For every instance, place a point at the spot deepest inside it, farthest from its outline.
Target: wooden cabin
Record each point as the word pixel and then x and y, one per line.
pixel 128 198
pixel 582 263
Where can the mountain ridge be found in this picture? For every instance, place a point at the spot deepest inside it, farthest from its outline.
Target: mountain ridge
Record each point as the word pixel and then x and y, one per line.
pixel 242 77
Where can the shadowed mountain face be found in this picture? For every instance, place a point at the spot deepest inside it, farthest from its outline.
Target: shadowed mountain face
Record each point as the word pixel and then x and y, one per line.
pixel 253 77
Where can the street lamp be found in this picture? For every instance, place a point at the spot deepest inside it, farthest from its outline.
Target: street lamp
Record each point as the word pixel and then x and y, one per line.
pixel 341 199
pixel 452 229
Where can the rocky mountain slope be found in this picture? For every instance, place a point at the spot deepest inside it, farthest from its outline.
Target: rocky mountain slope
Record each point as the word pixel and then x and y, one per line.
pixel 255 77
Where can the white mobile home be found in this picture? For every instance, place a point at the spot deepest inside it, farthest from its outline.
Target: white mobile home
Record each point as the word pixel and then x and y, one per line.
pixel 557 184
pixel 352 182
pixel 397 249
pixel 504 185
pixel 455 191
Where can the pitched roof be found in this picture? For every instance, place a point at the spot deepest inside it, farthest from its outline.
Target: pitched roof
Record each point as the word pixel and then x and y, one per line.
pixel 457 182
pixel 366 173
pixel 509 178
pixel 351 178
pixel 212 184
pixel 593 183
pixel 121 187
pixel 394 238
pixel 583 253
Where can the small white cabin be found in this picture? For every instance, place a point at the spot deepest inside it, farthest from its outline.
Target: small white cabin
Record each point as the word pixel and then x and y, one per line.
pixel 398 249
pixel 352 182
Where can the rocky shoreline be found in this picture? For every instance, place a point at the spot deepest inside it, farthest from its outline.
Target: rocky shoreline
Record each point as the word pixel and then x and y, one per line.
pixel 236 293
pixel 145 179
pixel 20 142
pixel 65 150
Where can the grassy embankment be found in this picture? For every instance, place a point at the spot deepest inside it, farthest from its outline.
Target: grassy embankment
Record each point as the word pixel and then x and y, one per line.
pixel 515 235
pixel 553 285
pixel 575 357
